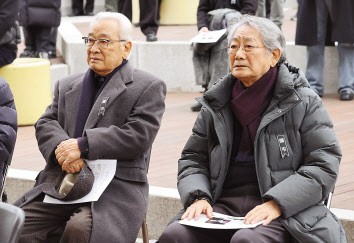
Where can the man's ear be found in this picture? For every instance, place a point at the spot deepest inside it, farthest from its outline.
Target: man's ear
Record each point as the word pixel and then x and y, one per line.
pixel 275 57
pixel 126 48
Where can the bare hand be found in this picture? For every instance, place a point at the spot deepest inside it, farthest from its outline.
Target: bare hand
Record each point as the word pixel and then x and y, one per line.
pixel 266 211
pixel 67 151
pixel 203 29
pixel 74 167
pixel 194 210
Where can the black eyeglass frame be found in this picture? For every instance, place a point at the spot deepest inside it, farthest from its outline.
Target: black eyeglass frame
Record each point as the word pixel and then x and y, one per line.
pixel 86 39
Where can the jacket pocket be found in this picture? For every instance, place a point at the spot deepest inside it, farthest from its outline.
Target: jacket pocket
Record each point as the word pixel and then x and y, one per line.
pixel 132 170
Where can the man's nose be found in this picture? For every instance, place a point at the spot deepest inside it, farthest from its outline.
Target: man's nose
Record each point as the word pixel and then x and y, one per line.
pixel 95 47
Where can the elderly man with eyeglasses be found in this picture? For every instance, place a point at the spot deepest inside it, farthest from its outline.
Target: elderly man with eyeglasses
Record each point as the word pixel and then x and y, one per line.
pixel 113 111
pixel 263 147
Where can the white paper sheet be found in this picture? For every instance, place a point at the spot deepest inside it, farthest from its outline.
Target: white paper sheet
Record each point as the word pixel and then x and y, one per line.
pixel 104 171
pixel 208 37
pixel 219 221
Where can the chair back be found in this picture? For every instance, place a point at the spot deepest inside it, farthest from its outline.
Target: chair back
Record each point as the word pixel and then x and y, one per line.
pixel 144 229
pixel 12 220
pixel 328 200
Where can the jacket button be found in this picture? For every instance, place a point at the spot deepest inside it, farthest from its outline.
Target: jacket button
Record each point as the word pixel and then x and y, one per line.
pixel 296 99
pixel 279 111
pixel 24 199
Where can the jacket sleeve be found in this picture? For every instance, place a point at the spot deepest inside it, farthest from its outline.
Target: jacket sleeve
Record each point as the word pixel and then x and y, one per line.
pixel 202 13
pixel 8 122
pixel 193 166
pixel 321 155
pixel 8 14
pixel 49 132
pixel 136 136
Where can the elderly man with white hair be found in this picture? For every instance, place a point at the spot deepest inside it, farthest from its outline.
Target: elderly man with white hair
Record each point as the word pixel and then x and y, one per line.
pixel 113 111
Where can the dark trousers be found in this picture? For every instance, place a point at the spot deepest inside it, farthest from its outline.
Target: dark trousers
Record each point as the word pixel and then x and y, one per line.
pixel 236 203
pixel 51 223
pixel 7 56
pixel 37 38
pixel 148 14
pixel 49 44
pixel 78 6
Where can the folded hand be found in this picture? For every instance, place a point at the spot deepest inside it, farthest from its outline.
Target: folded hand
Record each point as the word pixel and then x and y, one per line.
pixel 74 167
pixel 67 152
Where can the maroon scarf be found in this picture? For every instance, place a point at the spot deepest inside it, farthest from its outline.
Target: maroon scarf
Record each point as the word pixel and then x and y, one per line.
pixel 249 103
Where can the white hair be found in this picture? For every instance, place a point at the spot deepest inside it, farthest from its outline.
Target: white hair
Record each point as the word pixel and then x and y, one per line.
pixel 271 35
pixel 126 28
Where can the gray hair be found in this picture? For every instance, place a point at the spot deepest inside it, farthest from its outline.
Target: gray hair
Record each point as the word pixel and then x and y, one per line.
pixel 126 28
pixel 271 35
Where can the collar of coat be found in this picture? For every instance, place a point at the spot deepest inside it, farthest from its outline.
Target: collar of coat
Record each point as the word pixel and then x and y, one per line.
pixel 287 80
pixel 113 89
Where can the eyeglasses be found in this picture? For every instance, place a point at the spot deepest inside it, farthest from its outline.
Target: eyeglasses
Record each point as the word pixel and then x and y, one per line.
pixel 102 43
pixel 249 44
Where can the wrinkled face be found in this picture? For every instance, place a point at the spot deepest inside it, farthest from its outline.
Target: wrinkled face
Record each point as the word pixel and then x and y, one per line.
pixel 251 60
pixel 104 60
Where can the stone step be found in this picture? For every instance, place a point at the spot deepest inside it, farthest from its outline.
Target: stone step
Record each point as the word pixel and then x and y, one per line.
pixel 164 204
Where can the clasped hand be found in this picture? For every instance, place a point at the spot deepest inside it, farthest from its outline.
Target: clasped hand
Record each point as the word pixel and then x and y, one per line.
pixel 267 211
pixel 68 156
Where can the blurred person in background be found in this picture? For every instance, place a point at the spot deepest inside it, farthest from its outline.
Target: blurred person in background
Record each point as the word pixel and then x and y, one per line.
pixel 78 9
pixel 321 23
pixel 276 12
pixel 149 14
pixel 38 17
pixel 210 60
pixel 9 31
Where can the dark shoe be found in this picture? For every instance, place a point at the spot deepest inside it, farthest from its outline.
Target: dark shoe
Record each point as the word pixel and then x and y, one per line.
pixel 52 54
pixel 44 55
pixel 76 13
pixel 89 14
pixel 26 53
pixel 346 95
pixel 34 54
pixel 151 37
pixel 196 107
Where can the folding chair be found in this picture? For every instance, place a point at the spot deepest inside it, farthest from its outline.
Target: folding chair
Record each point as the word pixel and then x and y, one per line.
pixel 144 229
pixel 3 195
pixel 12 220
pixel 328 200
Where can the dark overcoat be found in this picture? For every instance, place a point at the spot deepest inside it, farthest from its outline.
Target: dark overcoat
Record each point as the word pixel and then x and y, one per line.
pixel 125 132
pixel 205 6
pixel 297 181
pixel 40 13
pixel 340 25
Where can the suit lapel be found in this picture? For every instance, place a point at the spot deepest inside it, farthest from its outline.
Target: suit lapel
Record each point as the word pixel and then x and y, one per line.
pixel 111 91
pixel 71 105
